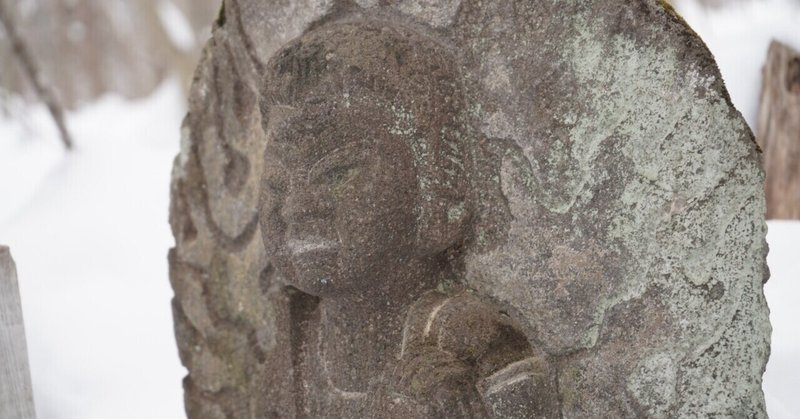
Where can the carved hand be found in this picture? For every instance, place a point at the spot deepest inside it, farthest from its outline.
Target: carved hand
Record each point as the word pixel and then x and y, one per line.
pixel 440 382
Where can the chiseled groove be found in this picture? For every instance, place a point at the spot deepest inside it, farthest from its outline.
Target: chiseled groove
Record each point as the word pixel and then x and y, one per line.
pixel 248 42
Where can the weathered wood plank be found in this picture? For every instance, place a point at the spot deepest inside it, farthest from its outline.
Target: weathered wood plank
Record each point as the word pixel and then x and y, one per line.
pixel 779 131
pixel 16 395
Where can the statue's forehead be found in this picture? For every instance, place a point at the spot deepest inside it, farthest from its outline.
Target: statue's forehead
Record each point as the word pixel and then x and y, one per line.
pixel 296 145
pixel 339 111
pixel 317 127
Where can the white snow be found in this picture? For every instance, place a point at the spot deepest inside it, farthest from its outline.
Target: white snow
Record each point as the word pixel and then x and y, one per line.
pixel 89 233
pixel 176 25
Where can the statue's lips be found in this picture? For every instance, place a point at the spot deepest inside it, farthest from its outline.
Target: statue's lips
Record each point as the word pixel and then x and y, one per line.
pixel 312 244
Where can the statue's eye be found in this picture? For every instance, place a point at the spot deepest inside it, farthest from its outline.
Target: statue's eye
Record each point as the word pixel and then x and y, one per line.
pixel 338 167
pixel 338 175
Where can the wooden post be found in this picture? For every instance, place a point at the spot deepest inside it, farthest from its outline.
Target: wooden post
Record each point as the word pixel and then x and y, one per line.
pixel 779 131
pixel 16 394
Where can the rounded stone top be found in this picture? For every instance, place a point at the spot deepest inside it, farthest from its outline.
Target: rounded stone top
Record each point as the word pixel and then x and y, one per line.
pixel 616 208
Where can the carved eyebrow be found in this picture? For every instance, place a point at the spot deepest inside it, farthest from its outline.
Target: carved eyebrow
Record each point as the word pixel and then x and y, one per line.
pixel 347 154
pixel 315 100
pixel 281 110
pixel 304 123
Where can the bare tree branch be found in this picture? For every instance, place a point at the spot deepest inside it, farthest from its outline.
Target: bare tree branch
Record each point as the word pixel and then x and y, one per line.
pixel 44 92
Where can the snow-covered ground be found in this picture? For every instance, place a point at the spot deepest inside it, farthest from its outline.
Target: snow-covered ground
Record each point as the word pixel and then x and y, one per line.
pixel 89 233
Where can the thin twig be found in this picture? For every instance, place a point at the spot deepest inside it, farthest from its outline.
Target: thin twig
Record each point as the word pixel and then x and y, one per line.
pixel 44 92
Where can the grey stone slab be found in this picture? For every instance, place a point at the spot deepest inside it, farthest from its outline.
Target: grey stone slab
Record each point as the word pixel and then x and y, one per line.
pixel 16 394
pixel 466 208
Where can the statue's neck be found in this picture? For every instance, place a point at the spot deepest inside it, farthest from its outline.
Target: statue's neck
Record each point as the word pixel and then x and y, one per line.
pixel 360 336
pixel 357 343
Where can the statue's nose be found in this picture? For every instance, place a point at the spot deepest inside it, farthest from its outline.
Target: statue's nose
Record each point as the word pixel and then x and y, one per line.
pixel 306 204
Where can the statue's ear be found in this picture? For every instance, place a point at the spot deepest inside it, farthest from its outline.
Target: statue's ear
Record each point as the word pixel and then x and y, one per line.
pixel 443 210
pixel 441 223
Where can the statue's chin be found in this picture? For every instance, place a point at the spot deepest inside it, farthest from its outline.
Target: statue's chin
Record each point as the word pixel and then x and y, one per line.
pixel 315 273
pixel 307 288
pixel 330 288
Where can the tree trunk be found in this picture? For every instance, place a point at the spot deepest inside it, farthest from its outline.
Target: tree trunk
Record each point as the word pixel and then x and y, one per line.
pixel 86 48
pixel 779 131
pixel 16 395
pixel 22 53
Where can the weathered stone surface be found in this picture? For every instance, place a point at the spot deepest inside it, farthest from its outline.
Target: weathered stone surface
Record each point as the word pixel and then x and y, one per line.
pixel 466 208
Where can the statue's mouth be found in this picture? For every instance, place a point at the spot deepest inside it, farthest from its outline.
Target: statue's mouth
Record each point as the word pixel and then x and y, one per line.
pixel 311 244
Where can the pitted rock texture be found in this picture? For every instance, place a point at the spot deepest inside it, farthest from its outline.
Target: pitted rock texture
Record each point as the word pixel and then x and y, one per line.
pixel 466 208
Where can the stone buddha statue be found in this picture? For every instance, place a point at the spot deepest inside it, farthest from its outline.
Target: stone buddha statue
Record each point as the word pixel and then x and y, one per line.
pixel 365 208
pixel 516 209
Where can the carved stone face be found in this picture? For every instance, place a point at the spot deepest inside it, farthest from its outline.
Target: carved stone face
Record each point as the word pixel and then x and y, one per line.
pixel 339 195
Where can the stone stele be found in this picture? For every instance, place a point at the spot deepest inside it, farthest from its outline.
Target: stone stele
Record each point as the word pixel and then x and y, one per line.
pixel 466 208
